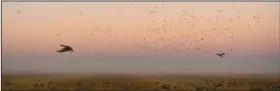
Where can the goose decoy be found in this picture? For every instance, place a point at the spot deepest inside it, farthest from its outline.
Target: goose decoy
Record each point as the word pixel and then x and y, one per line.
pixel 221 54
pixel 219 85
pixel 65 49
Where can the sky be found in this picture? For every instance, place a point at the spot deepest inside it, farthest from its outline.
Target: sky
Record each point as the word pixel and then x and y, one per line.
pixel 141 37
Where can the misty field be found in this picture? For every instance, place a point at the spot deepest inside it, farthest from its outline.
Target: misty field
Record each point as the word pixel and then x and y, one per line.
pixel 138 82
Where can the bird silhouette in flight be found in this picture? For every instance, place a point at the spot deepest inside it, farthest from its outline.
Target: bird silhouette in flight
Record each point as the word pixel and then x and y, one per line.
pixel 221 54
pixel 65 49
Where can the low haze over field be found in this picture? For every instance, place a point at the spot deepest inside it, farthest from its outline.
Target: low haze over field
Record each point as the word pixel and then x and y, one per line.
pixel 141 37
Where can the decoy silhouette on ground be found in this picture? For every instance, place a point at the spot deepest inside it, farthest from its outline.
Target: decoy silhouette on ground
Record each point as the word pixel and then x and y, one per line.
pixel 221 54
pixel 65 49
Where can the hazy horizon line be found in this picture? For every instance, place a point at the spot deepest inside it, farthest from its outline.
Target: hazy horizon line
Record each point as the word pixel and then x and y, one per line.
pixel 131 73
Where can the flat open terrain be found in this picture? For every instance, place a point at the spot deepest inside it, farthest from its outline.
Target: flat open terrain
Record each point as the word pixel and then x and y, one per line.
pixel 137 82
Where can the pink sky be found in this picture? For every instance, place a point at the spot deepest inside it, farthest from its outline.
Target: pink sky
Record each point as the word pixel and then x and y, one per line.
pixel 35 29
pixel 33 32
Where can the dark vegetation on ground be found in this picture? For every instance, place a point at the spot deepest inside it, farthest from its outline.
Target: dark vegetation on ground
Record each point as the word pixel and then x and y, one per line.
pixel 139 82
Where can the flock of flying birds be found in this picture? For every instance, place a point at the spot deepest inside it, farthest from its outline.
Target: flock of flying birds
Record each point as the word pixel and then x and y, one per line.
pixel 188 18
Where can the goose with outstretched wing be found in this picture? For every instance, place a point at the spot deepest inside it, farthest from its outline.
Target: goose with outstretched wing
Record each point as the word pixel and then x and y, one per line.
pixel 221 54
pixel 65 49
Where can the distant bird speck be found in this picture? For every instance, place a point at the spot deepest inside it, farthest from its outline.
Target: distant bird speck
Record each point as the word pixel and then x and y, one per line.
pixel 18 11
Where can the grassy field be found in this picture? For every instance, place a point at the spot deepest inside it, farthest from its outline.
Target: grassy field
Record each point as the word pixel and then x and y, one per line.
pixel 135 82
